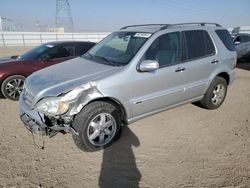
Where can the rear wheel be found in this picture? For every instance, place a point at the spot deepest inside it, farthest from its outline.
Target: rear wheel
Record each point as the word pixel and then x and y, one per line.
pixel 12 87
pixel 98 124
pixel 215 94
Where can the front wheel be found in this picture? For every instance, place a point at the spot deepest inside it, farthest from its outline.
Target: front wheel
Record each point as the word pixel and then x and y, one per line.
pixel 215 94
pixel 98 124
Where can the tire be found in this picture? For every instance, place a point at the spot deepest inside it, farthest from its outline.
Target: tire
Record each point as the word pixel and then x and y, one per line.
pixel 98 125
pixel 215 94
pixel 12 87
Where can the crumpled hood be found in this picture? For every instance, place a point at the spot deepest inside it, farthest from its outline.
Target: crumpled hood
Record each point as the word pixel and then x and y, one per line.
pixel 65 76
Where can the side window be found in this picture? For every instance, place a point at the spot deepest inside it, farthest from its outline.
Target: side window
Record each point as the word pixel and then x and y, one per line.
pixel 195 44
pixel 226 39
pixel 82 48
pixel 210 49
pixel 238 39
pixel 165 49
pixel 61 51
pixel 245 39
pixel 70 50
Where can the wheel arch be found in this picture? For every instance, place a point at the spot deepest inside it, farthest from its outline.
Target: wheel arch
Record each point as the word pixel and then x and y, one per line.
pixel 117 104
pixel 224 75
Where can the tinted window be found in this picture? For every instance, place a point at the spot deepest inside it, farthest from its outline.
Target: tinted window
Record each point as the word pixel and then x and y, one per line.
pixel 83 48
pixel 238 39
pixel 195 43
pixel 165 49
pixel 61 51
pixel 210 49
pixel 226 39
pixel 245 39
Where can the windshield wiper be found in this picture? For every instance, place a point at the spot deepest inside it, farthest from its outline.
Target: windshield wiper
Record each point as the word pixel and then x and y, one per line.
pixel 105 59
pixel 87 53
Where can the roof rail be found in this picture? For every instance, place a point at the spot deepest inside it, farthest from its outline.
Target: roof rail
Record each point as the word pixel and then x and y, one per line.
pixel 165 26
pixel 191 23
pixel 144 25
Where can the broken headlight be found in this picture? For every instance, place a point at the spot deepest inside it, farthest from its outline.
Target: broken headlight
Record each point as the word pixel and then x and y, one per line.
pixel 52 106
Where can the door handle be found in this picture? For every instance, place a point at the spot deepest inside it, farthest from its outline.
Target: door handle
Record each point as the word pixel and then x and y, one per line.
pixel 215 61
pixel 180 69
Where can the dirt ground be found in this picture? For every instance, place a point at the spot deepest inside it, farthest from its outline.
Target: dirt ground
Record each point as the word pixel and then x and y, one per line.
pixel 184 147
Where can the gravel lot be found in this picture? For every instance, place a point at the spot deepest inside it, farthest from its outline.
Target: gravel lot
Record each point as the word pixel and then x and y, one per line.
pixel 184 147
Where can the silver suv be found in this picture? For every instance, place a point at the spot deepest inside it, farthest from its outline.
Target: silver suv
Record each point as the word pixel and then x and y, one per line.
pixel 132 73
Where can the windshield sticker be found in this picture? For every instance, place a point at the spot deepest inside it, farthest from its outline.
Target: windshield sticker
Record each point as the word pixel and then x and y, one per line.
pixel 143 35
pixel 50 45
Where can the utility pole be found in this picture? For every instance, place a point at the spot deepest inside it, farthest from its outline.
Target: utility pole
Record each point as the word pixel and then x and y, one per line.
pixel 1 26
pixel 63 15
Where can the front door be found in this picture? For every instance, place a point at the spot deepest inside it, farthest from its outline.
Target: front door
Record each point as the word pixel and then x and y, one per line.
pixel 153 91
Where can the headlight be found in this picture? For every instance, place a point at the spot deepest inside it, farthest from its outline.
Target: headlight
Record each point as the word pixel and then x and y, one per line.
pixel 52 106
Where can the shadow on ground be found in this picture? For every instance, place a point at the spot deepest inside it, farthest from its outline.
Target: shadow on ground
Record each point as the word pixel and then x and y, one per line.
pixel 119 166
pixel 243 65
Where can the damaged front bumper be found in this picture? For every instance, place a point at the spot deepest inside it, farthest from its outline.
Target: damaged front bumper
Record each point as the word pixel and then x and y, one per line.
pixel 39 124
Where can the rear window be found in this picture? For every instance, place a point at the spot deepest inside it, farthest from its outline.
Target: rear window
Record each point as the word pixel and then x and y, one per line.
pixel 226 39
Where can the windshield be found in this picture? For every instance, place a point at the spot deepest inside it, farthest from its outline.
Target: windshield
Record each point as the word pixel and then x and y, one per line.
pixel 118 48
pixel 36 52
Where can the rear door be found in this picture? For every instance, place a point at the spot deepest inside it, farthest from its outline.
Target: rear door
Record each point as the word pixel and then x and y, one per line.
pixel 200 60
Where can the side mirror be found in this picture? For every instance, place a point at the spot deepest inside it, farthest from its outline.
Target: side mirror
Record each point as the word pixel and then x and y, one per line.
pixel 149 66
pixel 237 42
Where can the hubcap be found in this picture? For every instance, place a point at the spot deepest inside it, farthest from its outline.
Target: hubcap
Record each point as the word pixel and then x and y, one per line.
pixel 101 129
pixel 218 94
pixel 14 88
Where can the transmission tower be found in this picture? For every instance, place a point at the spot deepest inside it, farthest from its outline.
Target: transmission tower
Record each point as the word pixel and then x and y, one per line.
pixel 63 15
pixel 7 24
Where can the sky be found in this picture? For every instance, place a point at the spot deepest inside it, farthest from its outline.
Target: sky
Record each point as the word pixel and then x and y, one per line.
pixel 110 15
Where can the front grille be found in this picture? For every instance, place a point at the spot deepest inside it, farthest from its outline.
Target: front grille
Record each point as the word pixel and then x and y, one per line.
pixel 28 97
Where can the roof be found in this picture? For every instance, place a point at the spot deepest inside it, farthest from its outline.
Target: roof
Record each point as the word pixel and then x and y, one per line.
pixel 152 28
pixel 69 42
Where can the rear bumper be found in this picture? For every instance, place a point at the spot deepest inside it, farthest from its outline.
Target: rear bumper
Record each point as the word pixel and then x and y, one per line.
pixel 31 119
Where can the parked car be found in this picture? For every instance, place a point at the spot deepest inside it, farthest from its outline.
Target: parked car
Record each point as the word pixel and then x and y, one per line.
pixel 242 45
pixel 132 73
pixel 14 70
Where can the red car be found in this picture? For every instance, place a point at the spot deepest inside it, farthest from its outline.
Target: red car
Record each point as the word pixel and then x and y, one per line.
pixel 15 69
